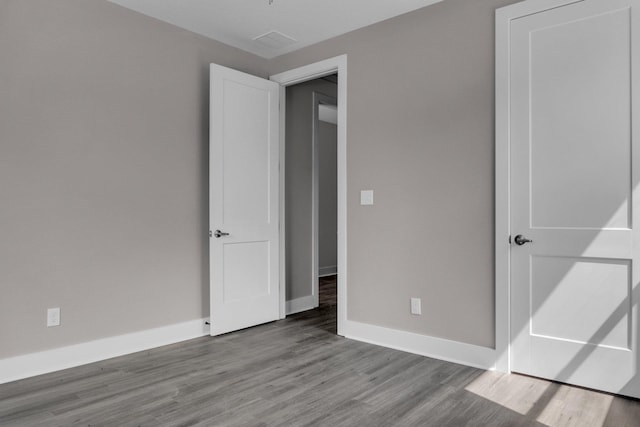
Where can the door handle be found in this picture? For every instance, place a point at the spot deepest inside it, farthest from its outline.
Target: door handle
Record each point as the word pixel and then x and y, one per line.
pixel 219 234
pixel 521 240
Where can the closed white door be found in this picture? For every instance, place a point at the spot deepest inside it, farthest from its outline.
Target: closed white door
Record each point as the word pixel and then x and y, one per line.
pixel 574 192
pixel 243 190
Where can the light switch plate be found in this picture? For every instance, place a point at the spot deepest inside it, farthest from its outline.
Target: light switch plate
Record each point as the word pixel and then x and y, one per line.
pixel 53 317
pixel 366 197
pixel 416 306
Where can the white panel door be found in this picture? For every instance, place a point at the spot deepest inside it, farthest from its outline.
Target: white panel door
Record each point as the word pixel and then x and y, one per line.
pixel 243 190
pixel 574 192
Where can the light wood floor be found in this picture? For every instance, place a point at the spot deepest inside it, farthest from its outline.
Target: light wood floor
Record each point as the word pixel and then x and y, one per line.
pixel 297 372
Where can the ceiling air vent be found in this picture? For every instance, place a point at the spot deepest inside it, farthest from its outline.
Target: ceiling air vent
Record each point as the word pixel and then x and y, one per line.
pixel 275 40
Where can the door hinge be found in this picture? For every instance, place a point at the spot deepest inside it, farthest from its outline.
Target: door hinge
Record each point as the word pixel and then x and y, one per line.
pixel 211 235
pixel 509 239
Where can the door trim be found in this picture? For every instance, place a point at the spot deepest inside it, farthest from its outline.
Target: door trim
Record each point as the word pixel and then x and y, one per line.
pixel 291 77
pixel 504 16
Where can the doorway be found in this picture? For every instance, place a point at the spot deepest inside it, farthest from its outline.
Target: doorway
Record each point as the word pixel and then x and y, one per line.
pixel 325 201
pixel 310 190
pixel 295 300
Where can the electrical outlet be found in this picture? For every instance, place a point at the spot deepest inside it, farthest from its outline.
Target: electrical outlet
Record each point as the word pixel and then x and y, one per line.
pixel 53 317
pixel 416 306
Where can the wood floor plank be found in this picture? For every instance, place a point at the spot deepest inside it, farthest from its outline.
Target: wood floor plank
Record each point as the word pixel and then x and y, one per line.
pixel 298 372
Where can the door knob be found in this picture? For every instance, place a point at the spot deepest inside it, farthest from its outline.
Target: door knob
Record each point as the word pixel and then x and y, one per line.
pixel 219 234
pixel 521 240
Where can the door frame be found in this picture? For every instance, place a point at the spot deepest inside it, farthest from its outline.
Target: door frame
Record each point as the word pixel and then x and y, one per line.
pixel 504 16
pixel 291 77
pixel 318 98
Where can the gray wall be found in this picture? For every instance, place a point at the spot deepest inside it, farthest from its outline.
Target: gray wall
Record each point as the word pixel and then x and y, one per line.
pixel 298 181
pixel 421 134
pixel 327 196
pixel 103 171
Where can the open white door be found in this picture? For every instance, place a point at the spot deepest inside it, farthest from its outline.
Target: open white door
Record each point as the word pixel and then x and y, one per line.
pixel 243 204
pixel 575 176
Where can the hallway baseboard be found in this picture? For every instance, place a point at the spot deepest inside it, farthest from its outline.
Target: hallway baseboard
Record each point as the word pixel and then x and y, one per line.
pixel 328 271
pixel 300 304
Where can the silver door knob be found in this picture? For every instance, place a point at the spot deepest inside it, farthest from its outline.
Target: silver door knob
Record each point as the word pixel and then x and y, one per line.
pixel 219 234
pixel 521 240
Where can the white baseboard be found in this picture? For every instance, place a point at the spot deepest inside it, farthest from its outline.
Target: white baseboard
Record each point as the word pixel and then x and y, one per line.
pixel 437 348
pixel 300 304
pixel 30 365
pixel 328 271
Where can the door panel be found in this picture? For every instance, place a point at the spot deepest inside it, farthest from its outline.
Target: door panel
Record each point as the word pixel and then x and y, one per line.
pixel 572 64
pixel 244 144
pixel 246 149
pixel 563 289
pixel 239 282
pixel 574 166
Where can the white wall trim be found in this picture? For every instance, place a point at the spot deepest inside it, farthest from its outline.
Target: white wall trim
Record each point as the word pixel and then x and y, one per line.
pixel 282 208
pixel 437 348
pixel 330 270
pixel 502 215
pixel 316 70
pixel 301 304
pixel 504 16
pixel 30 365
